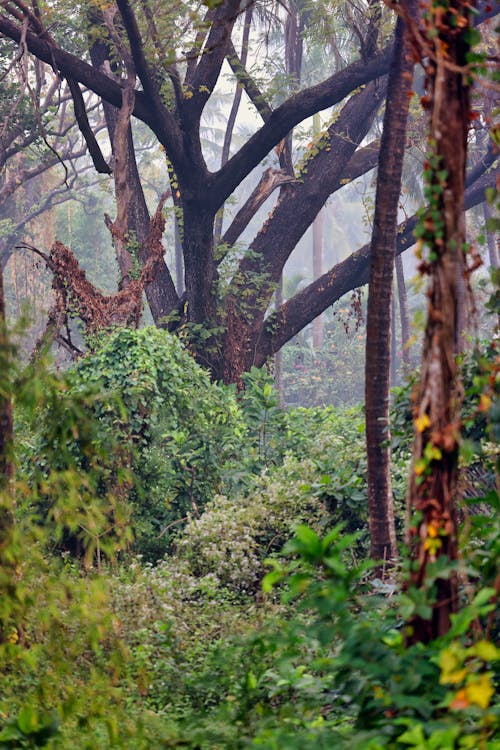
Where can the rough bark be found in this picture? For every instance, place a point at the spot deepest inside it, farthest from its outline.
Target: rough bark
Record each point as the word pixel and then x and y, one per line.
pixel 160 293
pixel 259 272
pixel 347 275
pixel 394 344
pixel 378 323
pixel 434 483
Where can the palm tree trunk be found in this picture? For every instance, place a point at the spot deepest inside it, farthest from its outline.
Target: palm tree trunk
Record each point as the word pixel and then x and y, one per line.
pixel 378 333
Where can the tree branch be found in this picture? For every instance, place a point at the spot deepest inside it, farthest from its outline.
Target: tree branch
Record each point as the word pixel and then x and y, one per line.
pixel 102 167
pixel 247 82
pixel 350 274
pixel 270 180
pixel 290 113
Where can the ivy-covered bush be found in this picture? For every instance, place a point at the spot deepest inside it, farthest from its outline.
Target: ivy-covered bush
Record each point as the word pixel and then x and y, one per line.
pixel 234 535
pixel 320 481
pixel 178 430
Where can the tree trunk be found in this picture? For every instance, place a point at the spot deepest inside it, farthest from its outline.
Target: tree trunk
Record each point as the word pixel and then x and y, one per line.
pixel 378 327
pixel 433 482
pixel 200 273
pixel 403 314
pixel 179 263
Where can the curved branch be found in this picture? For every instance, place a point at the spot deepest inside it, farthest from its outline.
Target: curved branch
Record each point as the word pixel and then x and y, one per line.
pixel 290 113
pixel 102 167
pixel 350 274
pixel 247 82
pixel 70 66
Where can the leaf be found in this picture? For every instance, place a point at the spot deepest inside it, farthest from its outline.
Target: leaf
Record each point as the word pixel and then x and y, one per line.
pixel 480 690
pixel 422 422
pixel 486 650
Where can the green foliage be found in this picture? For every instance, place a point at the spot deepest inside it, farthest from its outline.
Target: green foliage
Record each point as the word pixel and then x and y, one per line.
pixel 344 670
pixel 178 428
pixel 60 653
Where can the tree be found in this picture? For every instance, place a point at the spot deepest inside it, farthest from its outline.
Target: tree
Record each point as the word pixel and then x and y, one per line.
pixel 444 40
pixel 229 323
pixel 378 322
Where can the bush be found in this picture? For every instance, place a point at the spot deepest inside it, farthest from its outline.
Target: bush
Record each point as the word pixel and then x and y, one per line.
pixel 180 428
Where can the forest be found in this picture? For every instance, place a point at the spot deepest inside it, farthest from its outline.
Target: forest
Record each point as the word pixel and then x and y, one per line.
pixel 249 374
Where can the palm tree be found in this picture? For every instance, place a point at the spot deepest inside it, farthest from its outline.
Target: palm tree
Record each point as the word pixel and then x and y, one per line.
pixel 378 326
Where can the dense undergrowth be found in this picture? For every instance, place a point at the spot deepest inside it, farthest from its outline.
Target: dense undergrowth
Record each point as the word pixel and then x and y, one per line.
pixel 188 568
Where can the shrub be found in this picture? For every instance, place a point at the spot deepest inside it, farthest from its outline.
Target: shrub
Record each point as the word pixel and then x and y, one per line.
pixel 180 427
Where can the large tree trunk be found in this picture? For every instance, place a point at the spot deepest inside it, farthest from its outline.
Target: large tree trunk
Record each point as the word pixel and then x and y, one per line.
pixel 378 325
pixel 433 483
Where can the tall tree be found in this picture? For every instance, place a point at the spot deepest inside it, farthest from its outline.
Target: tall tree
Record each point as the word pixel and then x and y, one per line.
pixel 443 41
pixel 378 322
pixel 172 88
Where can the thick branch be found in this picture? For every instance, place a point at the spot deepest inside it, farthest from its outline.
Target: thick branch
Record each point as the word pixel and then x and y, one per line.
pixel 247 82
pixel 350 274
pixel 208 68
pixel 321 174
pixel 295 109
pixel 83 123
pixel 270 180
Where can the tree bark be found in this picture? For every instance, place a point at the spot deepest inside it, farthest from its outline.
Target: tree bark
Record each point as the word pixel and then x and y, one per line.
pixel 378 322
pixel 434 479
pixel 160 293
pixel 394 344
pixel 347 275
